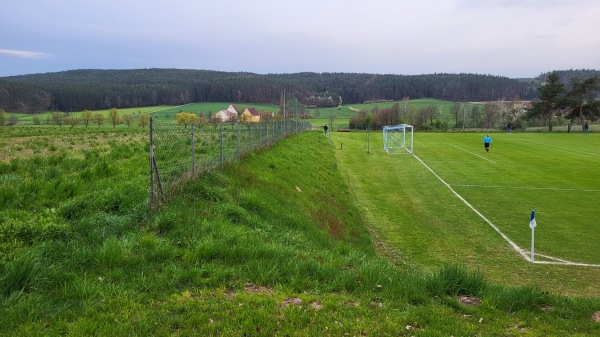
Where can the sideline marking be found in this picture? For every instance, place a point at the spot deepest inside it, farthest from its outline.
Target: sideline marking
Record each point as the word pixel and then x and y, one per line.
pixel 528 188
pixel 475 154
pixel 524 254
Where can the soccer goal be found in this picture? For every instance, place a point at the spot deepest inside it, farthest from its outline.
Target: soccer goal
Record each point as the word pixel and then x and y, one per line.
pixel 398 139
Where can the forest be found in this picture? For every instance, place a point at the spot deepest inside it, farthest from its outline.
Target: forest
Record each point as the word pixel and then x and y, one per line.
pixel 76 90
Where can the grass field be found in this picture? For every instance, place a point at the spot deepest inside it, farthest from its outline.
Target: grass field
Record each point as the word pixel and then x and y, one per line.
pixel 300 239
pixel 342 114
pixel 426 224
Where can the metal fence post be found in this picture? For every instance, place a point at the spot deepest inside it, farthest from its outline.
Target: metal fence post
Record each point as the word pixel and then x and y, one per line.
pixel 238 141
pixel 151 159
pixel 193 151
pixel 222 154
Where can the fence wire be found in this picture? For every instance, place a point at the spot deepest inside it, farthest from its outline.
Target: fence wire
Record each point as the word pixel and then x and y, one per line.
pixel 179 152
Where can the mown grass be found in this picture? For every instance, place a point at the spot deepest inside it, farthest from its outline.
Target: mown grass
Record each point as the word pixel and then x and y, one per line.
pixel 428 225
pixel 275 245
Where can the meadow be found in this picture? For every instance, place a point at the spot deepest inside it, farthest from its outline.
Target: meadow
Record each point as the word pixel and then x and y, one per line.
pixel 304 238
pixel 426 224
pixel 320 116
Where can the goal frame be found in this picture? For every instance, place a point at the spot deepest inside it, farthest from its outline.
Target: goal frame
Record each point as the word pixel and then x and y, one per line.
pixel 398 139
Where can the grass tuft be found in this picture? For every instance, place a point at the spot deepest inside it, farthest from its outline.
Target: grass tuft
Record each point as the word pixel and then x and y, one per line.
pixel 456 280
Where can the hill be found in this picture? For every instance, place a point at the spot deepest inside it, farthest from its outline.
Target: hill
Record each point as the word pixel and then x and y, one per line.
pixel 77 90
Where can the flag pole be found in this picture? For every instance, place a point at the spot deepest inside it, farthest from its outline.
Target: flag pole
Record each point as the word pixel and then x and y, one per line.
pixel 532 242
pixel 532 224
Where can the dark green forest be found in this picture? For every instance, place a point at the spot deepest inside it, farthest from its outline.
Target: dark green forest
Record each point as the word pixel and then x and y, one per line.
pixel 76 90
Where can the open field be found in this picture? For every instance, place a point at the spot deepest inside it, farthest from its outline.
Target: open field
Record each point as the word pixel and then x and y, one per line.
pixel 426 224
pixel 341 115
pixel 275 245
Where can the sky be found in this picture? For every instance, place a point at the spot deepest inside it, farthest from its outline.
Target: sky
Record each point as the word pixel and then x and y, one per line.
pixel 512 38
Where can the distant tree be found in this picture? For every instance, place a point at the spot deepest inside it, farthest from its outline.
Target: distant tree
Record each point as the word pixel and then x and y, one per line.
pixel 582 99
pixel 186 118
pixel 86 117
pixel 143 120
pixel 491 112
pixel 58 118
pixel 98 119
pixel 405 102
pixel 12 120
pixel 72 120
pixel 3 117
pixel 513 112
pixel 215 121
pixel 455 111
pixel 550 99
pixel 113 116
pixel 233 119
pixel 475 116
pixel 36 120
pixel 201 122
pixel 127 119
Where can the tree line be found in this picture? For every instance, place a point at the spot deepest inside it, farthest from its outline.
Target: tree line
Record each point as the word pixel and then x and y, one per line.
pixel 558 101
pixel 77 90
pixel 577 101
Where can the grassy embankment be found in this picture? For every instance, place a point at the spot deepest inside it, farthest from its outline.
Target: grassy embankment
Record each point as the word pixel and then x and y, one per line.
pixel 274 245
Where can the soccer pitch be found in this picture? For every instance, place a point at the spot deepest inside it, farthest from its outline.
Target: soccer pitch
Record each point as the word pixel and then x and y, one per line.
pixel 453 202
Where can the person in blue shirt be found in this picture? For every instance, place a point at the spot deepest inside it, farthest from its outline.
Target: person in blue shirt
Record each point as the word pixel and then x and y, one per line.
pixel 487 140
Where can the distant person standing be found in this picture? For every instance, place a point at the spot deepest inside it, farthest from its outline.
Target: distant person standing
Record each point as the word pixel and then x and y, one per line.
pixel 569 127
pixel 487 140
pixel 508 128
pixel 325 128
pixel 586 128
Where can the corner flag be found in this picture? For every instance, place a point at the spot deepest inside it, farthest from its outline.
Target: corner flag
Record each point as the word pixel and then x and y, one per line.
pixel 532 222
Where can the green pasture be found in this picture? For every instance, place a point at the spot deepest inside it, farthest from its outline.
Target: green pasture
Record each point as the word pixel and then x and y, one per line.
pixel 299 239
pixel 320 115
pixel 347 111
pixel 426 224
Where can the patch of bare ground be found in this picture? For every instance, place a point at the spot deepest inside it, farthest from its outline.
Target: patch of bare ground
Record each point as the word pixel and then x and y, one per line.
pixel 469 300
pixel 291 301
pixel 253 289
pixel 596 317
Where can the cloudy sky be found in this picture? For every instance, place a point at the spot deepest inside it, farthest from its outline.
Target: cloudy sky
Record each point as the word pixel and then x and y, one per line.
pixel 513 38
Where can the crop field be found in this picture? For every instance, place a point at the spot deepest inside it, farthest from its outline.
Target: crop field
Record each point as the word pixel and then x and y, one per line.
pixel 452 201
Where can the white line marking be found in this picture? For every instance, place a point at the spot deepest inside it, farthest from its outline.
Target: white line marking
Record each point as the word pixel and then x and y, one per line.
pixel 522 252
pixel 475 154
pixel 528 188
pixel 560 148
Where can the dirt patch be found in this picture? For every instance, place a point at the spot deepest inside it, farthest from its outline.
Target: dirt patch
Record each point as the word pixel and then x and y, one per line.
pixel 468 300
pixel 328 221
pixel 596 317
pixel 316 305
pixel 258 289
pixel 291 301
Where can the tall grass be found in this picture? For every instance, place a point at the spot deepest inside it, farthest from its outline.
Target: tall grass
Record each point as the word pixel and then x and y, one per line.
pixel 274 245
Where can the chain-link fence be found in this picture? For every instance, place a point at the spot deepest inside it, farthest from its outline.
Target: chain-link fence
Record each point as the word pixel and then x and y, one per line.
pixel 179 152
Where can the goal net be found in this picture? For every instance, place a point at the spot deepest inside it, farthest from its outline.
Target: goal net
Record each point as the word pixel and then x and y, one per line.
pixel 398 139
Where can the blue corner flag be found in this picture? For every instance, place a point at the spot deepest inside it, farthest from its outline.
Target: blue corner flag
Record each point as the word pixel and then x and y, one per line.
pixel 532 222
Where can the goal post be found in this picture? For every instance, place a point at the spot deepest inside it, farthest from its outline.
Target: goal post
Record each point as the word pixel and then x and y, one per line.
pixel 398 139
